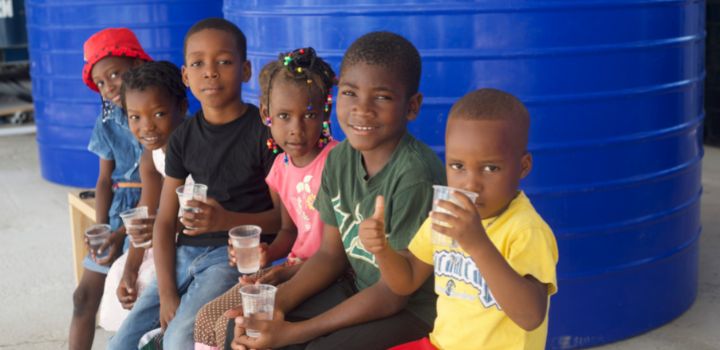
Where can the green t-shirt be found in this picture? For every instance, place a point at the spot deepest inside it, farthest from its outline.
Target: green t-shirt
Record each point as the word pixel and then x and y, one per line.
pixel 346 198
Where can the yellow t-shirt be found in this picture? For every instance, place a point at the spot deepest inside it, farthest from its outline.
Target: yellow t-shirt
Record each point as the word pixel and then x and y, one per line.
pixel 467 315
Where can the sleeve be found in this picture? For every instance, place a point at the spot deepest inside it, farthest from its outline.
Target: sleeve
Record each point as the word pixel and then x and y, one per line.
pixel 275 176
pixel 421 245
pixel 99 142
pixel 534 252
pixel 323 201
pixel 405 213
pixel 174 156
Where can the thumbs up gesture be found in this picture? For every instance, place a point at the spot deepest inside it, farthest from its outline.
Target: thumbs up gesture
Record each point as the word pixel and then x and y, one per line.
pixel 372 230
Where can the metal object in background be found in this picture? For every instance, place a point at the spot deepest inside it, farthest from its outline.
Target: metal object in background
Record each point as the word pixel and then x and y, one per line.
pixel 614 88
pixel 65 109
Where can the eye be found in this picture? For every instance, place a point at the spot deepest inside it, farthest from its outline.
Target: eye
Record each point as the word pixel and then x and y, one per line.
pixel 383 98
pixel 195 64
pixel 159 114
pixel 490 168
pixel 224 62
pixel 134 117
pixel 310 116
pixel 456 166
pixel 114 75
pixel 100 83
pixel 347 93
pixel 282 116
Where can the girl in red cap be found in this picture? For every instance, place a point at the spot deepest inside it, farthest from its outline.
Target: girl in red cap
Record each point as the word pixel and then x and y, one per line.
pixel 108 54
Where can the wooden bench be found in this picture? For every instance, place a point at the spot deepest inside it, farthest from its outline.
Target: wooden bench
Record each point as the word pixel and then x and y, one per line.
pixel 82 215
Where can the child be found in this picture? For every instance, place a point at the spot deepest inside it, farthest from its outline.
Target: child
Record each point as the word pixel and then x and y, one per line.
pixel 154 97
pixel 222 148
pixel 108 54
pixel 378 96
pixel 296 106
pixel 494 286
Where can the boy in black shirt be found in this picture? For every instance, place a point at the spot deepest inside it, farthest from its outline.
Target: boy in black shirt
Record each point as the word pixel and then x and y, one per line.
pixel 223 148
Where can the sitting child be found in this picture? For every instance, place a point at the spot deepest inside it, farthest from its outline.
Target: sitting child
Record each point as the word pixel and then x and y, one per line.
pixel 494 283
pixel 108 54
pixel 153 95
pixel 298 118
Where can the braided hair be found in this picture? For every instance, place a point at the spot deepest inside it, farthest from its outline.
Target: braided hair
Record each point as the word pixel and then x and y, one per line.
pixel 301 66
pixel 161 74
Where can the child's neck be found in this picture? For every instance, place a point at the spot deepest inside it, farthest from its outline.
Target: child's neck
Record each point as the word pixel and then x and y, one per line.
pixel 375 160
pixel 305 159
pixel 225 114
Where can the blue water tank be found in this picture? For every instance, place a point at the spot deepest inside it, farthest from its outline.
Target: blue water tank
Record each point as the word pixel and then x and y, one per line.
pixel 65 109
pixel 614 88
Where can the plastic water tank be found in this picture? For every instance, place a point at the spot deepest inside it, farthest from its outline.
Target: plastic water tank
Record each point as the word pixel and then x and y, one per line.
pixel 65 109
pixel 614 88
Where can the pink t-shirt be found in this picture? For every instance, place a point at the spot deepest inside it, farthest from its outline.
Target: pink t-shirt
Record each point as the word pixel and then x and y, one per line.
pixel 297 188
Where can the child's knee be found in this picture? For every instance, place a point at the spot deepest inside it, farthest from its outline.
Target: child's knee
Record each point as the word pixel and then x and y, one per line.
pixel 86 299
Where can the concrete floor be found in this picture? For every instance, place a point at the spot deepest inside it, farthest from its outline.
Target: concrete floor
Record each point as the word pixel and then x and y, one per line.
pixel 35 262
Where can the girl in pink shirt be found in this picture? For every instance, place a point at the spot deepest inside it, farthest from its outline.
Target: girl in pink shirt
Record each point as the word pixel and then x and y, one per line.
pixel 295 102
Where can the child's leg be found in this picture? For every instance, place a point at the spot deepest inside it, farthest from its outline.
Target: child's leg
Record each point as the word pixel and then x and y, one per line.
pixel 86 300
pixel 211 276
pixel 210 324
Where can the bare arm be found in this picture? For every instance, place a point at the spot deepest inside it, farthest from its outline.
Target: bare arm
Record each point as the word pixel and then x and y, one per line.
pixel 213 217
pixel 103 191
pixel 164 249
pixel 287 235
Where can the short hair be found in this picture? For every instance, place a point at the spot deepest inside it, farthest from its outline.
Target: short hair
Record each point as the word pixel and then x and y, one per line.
pixel 390 51
pixel 301 66
pixel 163 75
pixel 222 25
pixel 493 104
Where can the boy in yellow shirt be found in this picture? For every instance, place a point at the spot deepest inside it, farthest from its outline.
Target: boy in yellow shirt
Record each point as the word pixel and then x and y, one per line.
pixel 495 280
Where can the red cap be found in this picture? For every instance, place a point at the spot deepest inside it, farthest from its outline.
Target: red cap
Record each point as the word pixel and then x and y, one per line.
pixel 119 42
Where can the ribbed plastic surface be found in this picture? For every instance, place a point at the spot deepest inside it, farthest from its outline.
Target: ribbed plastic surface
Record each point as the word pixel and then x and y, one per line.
pixel 615 93
pixel 65 109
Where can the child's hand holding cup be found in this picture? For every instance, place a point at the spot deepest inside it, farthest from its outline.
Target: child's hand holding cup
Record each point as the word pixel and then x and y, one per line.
pixel 189 192
pixel 139 226
pixel 446 193
pixel 95 236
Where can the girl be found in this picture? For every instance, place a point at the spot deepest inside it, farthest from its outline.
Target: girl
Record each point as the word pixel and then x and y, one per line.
pixel 108 54
pixel 154 97
pixel 295 103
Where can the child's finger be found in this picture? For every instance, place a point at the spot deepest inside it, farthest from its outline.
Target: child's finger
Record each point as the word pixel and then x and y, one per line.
pixel 234 312
pixel 451 207
pixel 464 200
pixel 379 213
pixel 450 219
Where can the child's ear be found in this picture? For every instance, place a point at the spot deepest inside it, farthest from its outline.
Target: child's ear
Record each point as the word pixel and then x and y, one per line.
pixel 246 71
pixel 264 113
pixel 414 104
pixel 183 71
pixel 525 164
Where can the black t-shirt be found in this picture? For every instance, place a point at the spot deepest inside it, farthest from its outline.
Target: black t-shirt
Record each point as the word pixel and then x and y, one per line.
pixel 231 159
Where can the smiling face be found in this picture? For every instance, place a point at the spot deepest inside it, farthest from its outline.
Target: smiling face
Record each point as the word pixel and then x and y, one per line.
pixel 107 75
pixel 373 108
pixel 486 157
pixel 153 115
pixel 214 69
pixel 295 128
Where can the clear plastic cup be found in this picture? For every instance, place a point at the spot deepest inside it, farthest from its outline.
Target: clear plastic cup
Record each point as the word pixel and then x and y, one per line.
pixel 133 226
pixel 445 193
pixel 96 236
pixel 188 192
pixel 246 243
pixel 258 300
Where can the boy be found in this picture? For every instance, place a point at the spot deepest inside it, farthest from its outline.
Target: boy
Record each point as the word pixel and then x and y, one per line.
pixel 378 96
pixel 222 147
pixel 494 283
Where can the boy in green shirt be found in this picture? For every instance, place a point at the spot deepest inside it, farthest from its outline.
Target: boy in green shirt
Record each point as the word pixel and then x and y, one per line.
pixel 378 96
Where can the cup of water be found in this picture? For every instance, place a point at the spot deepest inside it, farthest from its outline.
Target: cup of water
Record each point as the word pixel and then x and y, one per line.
pixel 446 193
pixel 134 225
pixel 258 301
pixel 96 236
pixel 246 243
pixel 189 192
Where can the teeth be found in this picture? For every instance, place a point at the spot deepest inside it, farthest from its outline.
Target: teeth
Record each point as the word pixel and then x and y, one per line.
pixel 363 128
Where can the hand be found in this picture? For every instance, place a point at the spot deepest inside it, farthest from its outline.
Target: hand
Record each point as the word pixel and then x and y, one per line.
pixel 273 334
pixel 274 275
pixel 372 230
pixel 168 306
pixel 141 230
pixel 209 218
pixel 113 245
pixel 126 291
pixel 465 223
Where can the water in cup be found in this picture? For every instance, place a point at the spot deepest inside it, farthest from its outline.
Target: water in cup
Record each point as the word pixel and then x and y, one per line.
pixel 133 226
pixel 258 301
pixel 446 193
pixel 246 244
pixel 96 236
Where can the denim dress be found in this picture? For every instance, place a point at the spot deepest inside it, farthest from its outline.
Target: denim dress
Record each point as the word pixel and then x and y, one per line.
pixel 111 139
